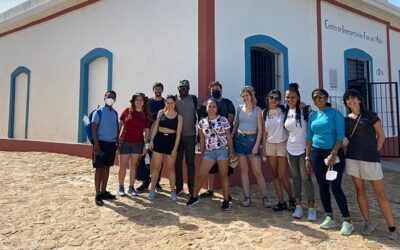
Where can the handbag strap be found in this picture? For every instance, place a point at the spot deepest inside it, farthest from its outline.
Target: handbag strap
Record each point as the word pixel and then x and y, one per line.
pixel 355 127
pixel 215 132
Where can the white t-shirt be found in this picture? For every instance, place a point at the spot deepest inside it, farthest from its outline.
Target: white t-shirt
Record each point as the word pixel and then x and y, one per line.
pixel 274 126
pixel 296 143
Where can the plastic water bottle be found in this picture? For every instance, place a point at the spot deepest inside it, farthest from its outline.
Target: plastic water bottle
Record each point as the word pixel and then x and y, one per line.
pixel 86 120
pixel 147 159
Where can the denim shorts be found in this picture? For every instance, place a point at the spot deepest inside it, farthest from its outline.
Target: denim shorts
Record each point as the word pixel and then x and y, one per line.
pixel 243 144
pixel 216 154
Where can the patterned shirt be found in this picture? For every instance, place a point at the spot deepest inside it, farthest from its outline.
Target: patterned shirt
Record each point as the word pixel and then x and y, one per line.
pixel 219 124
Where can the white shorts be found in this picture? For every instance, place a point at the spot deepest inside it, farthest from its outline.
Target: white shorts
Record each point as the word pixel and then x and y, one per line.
pixel 364 170
pixel 276 149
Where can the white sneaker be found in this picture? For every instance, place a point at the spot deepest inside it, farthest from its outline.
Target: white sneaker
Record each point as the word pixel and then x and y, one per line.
pixel 312 214
pixel 298 212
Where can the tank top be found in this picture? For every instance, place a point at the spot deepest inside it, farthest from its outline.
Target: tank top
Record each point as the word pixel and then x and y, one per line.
pixel 248 121
pixel 166 122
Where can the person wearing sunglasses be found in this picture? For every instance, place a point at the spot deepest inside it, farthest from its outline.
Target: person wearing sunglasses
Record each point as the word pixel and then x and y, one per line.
pixel 366 137
pixel 295 121
pixel 324 153
pixel 274 148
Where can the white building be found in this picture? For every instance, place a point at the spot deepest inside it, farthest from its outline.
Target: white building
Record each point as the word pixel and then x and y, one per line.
pixel 58 57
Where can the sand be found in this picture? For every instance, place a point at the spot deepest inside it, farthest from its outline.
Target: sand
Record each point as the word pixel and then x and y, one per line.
pixel 47 201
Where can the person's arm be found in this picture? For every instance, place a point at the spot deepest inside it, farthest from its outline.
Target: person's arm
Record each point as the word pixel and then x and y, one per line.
pixel 339 125
pixel 95 125
pixel 380 135
pixel 155 128
pixel 178 136
pixel 259 132
pixel 230 143
pixel 231 112
pixel 264 142
pixel 310 134
pixel 202 141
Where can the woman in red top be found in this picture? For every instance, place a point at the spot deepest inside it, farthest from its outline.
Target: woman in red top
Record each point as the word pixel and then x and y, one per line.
pixel 135 126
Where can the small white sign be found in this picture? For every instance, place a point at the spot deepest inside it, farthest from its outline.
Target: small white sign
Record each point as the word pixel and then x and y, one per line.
pixel 333 78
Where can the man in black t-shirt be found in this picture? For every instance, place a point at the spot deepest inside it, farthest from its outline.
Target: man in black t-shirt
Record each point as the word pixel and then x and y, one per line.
pixel 226 109
pixel 156 103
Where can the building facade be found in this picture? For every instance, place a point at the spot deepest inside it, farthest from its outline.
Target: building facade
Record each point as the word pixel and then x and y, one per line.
pixel 58 57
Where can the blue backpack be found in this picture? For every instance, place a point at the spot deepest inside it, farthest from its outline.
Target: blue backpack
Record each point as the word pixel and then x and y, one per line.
pixel 87 121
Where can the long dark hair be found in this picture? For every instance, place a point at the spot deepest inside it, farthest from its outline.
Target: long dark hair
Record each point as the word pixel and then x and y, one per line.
pixel 277 92
pixel 294 87
pixel 146 109
pixel 354 93
pixel 324 92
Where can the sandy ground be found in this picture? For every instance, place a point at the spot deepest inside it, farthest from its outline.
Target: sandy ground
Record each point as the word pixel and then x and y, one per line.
pixel 47 201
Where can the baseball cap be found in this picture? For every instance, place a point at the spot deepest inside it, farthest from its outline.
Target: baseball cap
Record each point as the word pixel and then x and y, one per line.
pixel 183 83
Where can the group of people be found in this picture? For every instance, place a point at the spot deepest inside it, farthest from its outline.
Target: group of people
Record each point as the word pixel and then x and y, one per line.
pixel 309 142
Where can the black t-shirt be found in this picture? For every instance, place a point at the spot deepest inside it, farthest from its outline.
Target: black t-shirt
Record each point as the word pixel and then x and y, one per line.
pixel 155 107
pixel 225 108
pixel 362 145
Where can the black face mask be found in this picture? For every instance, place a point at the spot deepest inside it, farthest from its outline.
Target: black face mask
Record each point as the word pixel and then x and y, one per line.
pixel 216 94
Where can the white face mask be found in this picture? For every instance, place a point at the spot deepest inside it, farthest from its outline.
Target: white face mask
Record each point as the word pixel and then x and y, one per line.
pixel 109 101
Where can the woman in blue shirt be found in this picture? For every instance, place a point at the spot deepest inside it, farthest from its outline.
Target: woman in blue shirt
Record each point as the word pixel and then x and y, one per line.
pixel 325 132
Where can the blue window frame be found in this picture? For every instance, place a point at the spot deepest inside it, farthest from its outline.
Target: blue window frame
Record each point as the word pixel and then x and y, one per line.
pixel 11 113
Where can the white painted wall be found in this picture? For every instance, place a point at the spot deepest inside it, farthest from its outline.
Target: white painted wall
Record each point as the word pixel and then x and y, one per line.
pixel 334 43
pixel 150 40
pixel 292 23
pixel 395 59
pixel 20 106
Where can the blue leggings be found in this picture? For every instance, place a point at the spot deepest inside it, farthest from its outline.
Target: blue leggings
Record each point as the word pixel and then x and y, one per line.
pixel 317 159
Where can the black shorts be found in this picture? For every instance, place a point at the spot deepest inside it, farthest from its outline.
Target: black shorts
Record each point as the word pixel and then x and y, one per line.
pixel 214 170
pixel 164 143
pixel 107 155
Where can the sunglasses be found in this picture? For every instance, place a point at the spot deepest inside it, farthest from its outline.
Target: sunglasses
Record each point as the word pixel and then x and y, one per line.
pixel 272 97
pixel 318 97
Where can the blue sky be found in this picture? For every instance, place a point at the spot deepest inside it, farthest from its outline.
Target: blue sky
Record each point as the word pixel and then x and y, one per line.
pixel 395 2
pixel 8 4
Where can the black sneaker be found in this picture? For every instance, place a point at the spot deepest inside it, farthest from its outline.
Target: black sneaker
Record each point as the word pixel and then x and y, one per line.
pixel 145 185
pixel 108 196
pixel 280 206
pixel 207 193
pixel 226 206
pixel 98 200
pixel 158 187
pixel 192 201
pixel 178 190
pixel 292 205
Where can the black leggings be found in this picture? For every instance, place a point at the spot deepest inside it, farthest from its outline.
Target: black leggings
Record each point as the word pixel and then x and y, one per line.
pixel 317 159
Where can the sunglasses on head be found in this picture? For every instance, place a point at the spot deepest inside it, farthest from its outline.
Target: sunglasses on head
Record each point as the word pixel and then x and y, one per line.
pixel 272 97
pixel 318 97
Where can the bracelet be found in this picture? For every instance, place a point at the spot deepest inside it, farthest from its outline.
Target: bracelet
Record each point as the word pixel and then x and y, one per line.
pixel 307 158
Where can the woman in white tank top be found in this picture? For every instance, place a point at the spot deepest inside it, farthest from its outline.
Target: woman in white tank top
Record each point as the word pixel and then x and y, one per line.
pixel 274 148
